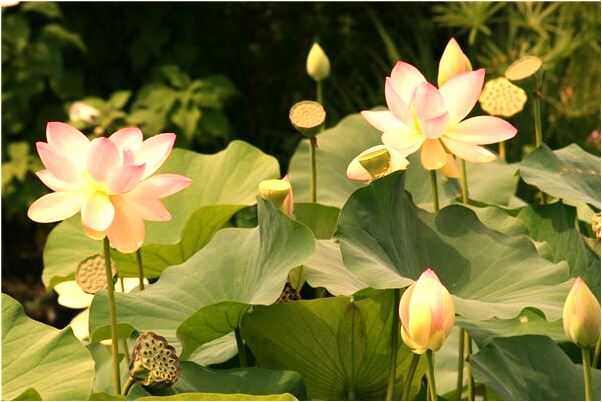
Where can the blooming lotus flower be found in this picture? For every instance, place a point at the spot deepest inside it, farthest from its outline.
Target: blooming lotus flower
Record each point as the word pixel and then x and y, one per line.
pixel 422 116
pixel 376 162
pixel 72 296
pixel 581 316
pixel 427 314
pixel 110 180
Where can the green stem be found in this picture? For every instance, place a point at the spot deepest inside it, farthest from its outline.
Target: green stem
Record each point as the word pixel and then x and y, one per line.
pixel 537 117
pixel 587 379
pixel 431 375
pixel 312 169
pixel 128 384
pixel 469 378
pixel 410 377
pixel 124 342
pixel 140 269
pixel 502 150
pixel 596 355
pixel 320 93
pixel 464 182
pixel 434 189
pixel 395 334
pixel 242 350
pixel 112 317
pixel 350 393
pixel 460 382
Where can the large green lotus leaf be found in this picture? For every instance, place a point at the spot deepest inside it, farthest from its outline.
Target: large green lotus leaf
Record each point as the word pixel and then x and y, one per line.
pixel 529 322
pixel 204 298
pixel 36 356
pixel 568 173
pixel 498 219
pixel 556 224
pixel 222 184
pixel 326 269
pixel 216 351
pixel 196 396
pixel 321 219
pixel 337 146
pixel 340 347
pixel 531 368
pixel 253 381
pixel 103 365
pixel 30 394
pixel 492 183
pixel 387 241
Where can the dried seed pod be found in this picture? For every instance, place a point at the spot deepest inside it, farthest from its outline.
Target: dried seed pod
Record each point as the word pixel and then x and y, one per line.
pixel 288 294
pixel 154 362
pixel 500 97
pixel 90 274
pixel 307 117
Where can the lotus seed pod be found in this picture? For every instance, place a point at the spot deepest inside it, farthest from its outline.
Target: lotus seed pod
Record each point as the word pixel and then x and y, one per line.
pixel 500 97
pixel 376 162
pixel 307 117
pixel 288 294
pixel 317 64
pixel 154 362
pixel 276 191
pixel 581 316
pixel 596 225
pixel 90 274
pixel 523 68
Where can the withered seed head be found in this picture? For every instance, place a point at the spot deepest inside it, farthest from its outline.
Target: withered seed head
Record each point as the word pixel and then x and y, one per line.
pixel 154 362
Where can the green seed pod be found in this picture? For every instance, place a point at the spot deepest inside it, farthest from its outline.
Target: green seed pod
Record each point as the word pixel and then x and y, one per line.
pixel 154 362
pixel 90 274
pixel 307 117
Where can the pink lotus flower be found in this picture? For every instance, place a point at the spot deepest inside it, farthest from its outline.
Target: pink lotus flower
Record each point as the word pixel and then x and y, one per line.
pixel 427 314
pixel 422 116
pixel 107 179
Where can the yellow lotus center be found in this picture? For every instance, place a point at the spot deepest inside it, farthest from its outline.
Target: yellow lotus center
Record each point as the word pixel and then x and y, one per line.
pixel 90 185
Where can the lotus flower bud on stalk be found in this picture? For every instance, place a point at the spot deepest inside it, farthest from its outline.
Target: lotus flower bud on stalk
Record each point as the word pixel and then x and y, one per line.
pixel 80 111
pixel 427 314
pixel 279 193
pixel 317 64
pixel 581 316
pixel 376 162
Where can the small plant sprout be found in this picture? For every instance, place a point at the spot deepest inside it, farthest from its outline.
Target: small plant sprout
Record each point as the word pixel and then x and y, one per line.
pixel 376 162
pixel 581 323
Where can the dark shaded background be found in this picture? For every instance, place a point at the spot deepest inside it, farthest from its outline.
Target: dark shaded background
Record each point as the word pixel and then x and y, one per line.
pixel 259 49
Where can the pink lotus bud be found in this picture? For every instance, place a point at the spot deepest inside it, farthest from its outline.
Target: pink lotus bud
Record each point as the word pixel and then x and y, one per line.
pixel 581 316
pixel 427 314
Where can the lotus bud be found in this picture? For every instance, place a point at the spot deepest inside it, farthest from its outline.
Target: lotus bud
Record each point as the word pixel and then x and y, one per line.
pixel 453 62
pixel 376 162
pixel 279 192
pixel 427 314
pixel 307 117
pixel 317 65
pixel 581 316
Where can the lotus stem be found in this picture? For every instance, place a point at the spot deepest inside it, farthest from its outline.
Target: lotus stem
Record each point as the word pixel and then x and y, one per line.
pixel 587 379
pixel 434 189
pixel 596 355
pixel 464 182
pixel 140 269
pixel 410 377
pixel 112 317
pixel 126 387
pixel 312 169
pixel 319 93
pixel 537 111
pixel 502 150
pixel 469 378
pixel 242 350
pixel 431 375
pixel 394 346
pixel 124 341
pixel 460 382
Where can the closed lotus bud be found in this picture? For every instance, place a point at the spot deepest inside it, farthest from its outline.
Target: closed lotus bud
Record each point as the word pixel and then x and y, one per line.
pixel 317 64
pixel 279 192
pixel 453 62
pixel 80 111
pixel 427 314
pixel 581 316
